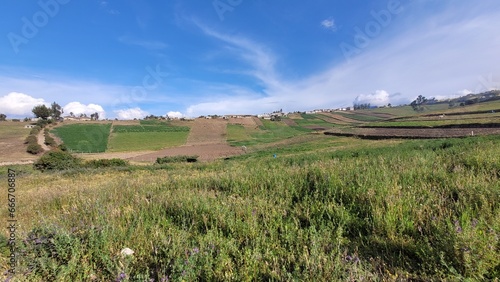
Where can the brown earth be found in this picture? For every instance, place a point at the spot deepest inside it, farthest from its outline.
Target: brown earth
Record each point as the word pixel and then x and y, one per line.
pixel 246 122
pixel 207 131
pixel 289 122
pixel 257 121
pixel 341 118
pixel 330 119
pixel 12 147
pixel 206 152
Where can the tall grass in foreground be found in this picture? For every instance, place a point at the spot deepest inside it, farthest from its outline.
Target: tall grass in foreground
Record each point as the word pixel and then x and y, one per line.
pixel 426 210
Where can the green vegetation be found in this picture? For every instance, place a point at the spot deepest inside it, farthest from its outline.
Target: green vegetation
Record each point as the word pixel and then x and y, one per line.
pixel 149 128
pixel 327 209
pixel 57 160
pixel 271 131
pixel 102 163
pixel 312 121
pixel 84 138
pixel 60 160
pixel 139 141
pixel 430 123
pixel 177 159
pixel 360 116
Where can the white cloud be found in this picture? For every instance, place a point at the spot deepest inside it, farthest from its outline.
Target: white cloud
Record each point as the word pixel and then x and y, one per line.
pixel 131 113
pixel 172 114
pixel 19 104
pixel 379 98
pixel 329 24
pixel 78 108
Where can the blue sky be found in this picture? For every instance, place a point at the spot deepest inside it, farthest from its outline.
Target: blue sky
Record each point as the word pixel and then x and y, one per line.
pixel 128 59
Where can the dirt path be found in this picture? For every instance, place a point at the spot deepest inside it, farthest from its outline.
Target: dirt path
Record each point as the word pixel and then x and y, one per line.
pixel 16 163
pixel 41 140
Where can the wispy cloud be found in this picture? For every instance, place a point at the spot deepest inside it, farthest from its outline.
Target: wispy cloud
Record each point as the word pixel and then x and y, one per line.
pixel 446 52
pixel 329 24
pixel 147 44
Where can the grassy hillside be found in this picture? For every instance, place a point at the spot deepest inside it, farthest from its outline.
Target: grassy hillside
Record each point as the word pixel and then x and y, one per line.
pixel 326 209
pixel 84 138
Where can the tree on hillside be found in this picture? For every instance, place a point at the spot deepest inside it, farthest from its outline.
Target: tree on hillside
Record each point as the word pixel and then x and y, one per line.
pixel 41 111
pixel 358 106
pixel 55 110
pixel 94 116
pixel 3 117
pixel 418 104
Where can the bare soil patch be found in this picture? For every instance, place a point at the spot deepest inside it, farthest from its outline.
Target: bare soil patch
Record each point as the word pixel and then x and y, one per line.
pixel 206 152
pixel 330 119
pixel 12 147
pixel 257 121
pixel 290 122
pixel 341 118
pixel 246 122
pixel 207 131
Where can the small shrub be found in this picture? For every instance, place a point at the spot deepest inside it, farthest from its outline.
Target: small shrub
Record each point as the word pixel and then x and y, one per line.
pixel 177 159
pixel 34 149
pixel 57 160
pixel 106 163
pixel 16 120
pixel 49 141
pixel 35 130
pixel 62 147
pixel 31 139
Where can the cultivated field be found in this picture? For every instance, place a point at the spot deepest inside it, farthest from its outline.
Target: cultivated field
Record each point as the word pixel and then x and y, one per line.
pixel 207 131
pixel 12 147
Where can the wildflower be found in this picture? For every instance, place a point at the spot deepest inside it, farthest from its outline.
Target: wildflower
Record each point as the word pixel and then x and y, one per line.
pixel 196 250
pixel 121 277
pixel 474 222
pixel 127 252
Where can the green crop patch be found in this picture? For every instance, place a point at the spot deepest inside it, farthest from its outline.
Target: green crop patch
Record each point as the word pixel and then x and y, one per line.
pixel 149 128
pixel 84 138
pixel 145 141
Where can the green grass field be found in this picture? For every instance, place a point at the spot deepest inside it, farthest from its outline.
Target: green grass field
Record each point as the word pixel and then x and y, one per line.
pixel 149 128
pixel 84 138
pixel 313 120
pixel 326 209
pixel 432 123
pixel 271 131
pixel 145 141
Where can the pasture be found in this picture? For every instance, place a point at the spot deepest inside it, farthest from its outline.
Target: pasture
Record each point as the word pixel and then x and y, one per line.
pixel 145 141
pixel 84 138
pixel 325 209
